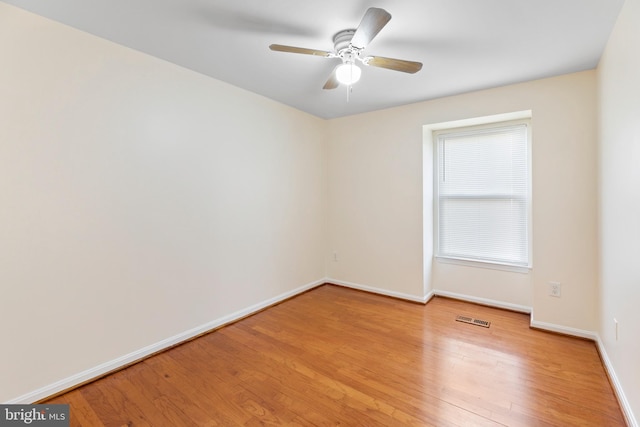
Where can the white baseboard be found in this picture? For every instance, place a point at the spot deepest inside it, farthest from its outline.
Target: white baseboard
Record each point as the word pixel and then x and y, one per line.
pixel 566 330
pixel 617 387
pixel 429 296
pixel 484 301
pixel 137 355
pixel 380 291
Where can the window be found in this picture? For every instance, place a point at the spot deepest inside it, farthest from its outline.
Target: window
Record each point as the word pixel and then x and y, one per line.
pixel 483 193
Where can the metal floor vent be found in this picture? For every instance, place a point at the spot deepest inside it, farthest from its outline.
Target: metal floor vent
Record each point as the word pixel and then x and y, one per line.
pixel 473 321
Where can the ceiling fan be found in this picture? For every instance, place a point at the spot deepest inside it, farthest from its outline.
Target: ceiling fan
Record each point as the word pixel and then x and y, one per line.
pixel 349 46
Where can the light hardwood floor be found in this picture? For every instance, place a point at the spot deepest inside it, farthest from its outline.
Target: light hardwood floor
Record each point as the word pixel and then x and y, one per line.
pixel 335 356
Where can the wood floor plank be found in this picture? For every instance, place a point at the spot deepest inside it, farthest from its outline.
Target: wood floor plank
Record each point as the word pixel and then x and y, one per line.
pixel 335 356
pixel 203 400
pixel 288 373
pixel 82 414
pixel 165 395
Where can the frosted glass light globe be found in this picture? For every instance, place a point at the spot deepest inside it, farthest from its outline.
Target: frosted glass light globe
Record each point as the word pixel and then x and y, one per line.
pixel 348 73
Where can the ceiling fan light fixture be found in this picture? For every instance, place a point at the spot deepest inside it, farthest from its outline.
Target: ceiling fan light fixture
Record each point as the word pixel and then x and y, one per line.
pixel 348 45
pixel 348 73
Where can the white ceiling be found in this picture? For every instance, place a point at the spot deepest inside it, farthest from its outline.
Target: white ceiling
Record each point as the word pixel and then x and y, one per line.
pixel 464 45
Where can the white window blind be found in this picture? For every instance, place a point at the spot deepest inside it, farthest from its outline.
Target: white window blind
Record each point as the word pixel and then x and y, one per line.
pixel 483 190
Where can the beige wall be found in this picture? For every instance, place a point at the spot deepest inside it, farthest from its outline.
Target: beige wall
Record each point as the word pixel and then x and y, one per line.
pixel 138 200
pixel 619 89
pixel 375 212
pixel 375 200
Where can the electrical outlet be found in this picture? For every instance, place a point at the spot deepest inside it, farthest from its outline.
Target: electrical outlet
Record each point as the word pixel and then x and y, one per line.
pixel 555 289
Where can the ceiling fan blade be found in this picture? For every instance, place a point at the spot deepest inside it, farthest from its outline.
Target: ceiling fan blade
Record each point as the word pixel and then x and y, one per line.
pixel 372 22
pixel 332 82
pixel 394 64
pixel 293 49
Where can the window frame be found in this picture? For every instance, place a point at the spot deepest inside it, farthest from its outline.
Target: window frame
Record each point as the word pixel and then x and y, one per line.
pixel 471 129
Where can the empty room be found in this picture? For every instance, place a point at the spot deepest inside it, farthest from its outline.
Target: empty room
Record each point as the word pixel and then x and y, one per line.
pixel 320 213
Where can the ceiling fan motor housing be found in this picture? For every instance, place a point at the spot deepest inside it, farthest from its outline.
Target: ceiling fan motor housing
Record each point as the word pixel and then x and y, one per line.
pixel 342 40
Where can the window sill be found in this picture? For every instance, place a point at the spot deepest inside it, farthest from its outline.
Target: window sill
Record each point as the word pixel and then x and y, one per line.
pixel 488 265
